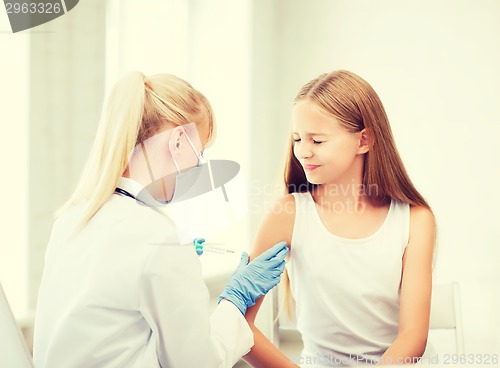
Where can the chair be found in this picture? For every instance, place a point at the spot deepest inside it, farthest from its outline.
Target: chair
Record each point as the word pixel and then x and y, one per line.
pixel 446 315
pixel 284 333
pixel 13 349
pixel 446 312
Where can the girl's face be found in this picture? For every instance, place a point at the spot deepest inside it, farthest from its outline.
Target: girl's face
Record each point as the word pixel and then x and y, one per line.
pixel 327 151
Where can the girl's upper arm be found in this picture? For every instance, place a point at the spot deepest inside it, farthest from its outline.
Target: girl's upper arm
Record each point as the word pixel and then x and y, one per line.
pixel 277 226
pixel 416 284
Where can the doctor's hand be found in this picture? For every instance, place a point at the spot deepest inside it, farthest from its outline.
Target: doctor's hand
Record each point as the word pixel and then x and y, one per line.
pixel 252 280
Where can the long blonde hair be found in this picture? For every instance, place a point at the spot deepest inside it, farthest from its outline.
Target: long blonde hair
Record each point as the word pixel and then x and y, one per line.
pixel 138 107
pixel 354 103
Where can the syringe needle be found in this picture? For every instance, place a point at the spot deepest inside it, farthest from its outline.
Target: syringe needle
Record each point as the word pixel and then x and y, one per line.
pixel 218 250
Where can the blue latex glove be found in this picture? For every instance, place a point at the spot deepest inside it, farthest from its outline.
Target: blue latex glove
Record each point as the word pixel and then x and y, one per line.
pixel 252 280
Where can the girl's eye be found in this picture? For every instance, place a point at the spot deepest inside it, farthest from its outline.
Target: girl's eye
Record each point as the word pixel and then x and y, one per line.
pixel 296 140
pixel 317 142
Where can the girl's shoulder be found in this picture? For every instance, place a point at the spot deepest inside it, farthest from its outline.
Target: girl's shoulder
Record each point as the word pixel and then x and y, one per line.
pixel 276 226
pixel 422 234
pixel 284 207
pixel 282 213
pixel 421 217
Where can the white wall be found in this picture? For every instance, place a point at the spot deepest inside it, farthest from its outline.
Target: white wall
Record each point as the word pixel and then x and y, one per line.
pixel 66 89
pixel 435 67
pixel 14 97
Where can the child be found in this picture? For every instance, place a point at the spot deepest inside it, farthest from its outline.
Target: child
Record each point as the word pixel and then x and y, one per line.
pixel 361 235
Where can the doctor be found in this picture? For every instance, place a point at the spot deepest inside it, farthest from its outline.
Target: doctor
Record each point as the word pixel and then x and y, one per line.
pixel 118 289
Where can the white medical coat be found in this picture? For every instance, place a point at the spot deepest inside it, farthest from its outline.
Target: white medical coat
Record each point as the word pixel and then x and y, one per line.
pixel 115 295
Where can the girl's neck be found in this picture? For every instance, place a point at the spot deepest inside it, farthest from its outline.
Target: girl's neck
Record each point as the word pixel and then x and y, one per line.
pixel 346 193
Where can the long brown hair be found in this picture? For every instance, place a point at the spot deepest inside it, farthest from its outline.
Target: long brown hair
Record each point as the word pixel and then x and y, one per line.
pixel 355 104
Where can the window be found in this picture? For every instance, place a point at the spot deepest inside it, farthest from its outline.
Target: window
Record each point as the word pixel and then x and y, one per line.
pixel 14 93
pixel 208 44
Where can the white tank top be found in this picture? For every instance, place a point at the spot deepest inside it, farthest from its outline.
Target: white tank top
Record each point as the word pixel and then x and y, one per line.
pixel 346 290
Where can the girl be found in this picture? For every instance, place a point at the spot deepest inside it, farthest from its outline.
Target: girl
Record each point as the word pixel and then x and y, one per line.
pixel 118 290
pixel 361 235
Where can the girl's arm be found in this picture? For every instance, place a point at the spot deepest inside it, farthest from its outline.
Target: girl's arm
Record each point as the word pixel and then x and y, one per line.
pixel 416 287
pixel 277 226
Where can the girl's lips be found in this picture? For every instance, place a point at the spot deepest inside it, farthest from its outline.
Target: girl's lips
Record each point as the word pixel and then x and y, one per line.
pixel 311 167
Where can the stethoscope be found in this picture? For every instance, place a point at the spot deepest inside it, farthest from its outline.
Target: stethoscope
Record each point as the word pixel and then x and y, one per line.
pixel 128 194
pixel 199 243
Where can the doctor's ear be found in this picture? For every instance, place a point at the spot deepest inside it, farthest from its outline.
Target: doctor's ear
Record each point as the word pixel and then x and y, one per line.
pixel 365 140
pixel 175 141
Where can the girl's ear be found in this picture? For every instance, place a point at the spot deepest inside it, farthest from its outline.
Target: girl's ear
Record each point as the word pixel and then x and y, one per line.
pixel 175 141
pixel 365 141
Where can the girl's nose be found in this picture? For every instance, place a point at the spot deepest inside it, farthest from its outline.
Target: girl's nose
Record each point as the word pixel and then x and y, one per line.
pixel 303 151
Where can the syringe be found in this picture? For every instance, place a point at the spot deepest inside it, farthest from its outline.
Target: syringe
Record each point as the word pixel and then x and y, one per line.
pixel 201 246
pixel 212 249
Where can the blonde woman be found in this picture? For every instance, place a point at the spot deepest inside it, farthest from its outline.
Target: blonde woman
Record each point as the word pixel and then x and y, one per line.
pixel 118 289
pixel 361 235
